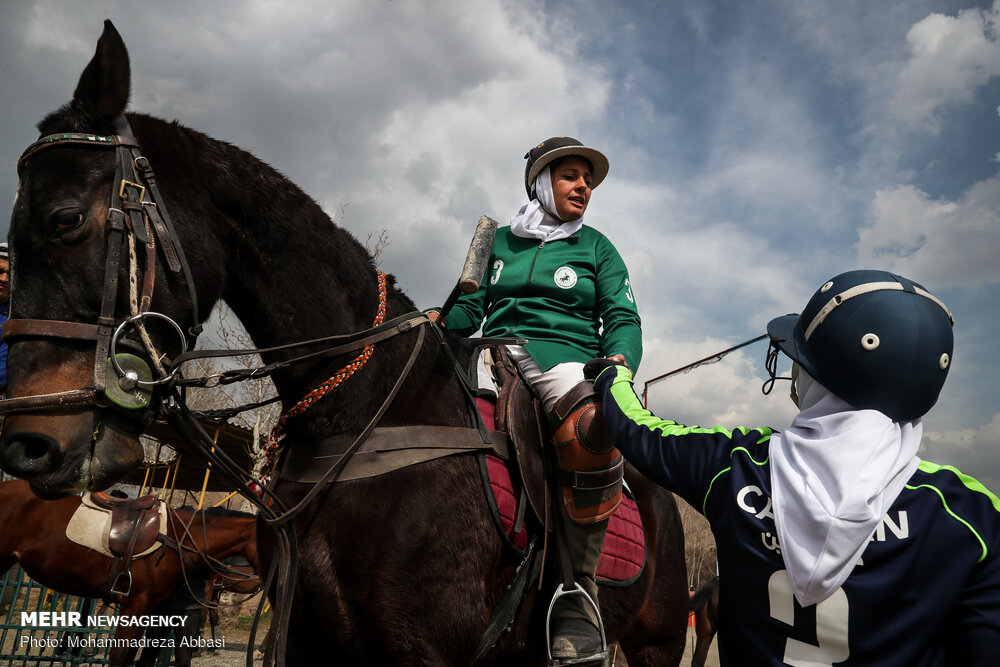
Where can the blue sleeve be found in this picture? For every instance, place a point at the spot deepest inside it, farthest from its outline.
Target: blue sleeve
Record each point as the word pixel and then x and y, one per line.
pixel 683 459
pixel 974 632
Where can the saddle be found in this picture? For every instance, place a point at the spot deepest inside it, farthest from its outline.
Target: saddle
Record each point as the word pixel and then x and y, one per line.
pixel 520 415
pixel 134 529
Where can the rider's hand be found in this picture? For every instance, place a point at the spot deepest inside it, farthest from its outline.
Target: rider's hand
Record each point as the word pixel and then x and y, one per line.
pixel 435 316
pixel 595 367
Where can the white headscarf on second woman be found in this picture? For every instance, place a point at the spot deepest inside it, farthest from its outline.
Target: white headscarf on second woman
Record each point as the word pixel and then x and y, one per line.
pixel 835 472
pixel 537 219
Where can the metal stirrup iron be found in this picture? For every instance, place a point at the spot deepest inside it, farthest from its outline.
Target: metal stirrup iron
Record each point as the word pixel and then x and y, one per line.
pixel 595 659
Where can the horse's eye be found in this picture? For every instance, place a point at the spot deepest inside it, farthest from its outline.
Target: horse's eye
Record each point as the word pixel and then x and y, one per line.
pixel 66 220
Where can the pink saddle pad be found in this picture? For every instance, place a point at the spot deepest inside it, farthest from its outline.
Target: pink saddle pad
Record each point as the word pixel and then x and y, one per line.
pixel 624 552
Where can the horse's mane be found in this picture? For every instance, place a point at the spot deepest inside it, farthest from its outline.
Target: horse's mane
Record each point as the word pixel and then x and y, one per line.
pixel 270 208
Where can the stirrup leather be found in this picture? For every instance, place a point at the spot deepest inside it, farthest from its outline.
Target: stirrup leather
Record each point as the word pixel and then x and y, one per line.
pixel 597 658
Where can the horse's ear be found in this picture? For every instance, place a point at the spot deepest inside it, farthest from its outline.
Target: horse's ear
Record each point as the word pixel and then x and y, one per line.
pixel 103 88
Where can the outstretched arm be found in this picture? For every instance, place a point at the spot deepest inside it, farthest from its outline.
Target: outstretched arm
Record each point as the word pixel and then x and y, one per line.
pixel 683 459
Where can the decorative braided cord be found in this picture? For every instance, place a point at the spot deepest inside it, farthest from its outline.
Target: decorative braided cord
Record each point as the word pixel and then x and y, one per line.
pixel 133 301
pixel 273 444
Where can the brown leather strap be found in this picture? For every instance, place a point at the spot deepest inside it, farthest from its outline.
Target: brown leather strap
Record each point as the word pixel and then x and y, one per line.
pixel 78 138
pixel 569 401
pixel 60 400
pixel 388 448
pixel 148 278
pixel 49 329
pixel 163 234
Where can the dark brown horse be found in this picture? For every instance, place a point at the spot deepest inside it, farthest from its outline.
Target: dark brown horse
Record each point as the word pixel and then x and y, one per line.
pixel 705 608
pixel 404 568
pixel 34 535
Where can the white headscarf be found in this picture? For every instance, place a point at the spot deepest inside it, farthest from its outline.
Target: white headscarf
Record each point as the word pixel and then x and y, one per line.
pixel 834 474
pixel 534 220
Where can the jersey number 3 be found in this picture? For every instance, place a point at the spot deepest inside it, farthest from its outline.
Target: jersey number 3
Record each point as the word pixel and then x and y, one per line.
pixel 831 625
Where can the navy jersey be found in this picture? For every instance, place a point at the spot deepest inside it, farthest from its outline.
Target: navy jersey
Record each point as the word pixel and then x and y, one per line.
pixel 925 592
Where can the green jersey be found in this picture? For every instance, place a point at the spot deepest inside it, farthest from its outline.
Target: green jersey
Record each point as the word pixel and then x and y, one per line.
pixel 571 299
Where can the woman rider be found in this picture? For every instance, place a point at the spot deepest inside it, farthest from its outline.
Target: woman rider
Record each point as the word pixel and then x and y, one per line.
pixel 562 286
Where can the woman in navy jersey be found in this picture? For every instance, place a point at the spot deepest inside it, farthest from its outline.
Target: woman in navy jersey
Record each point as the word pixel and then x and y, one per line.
pixel 837 544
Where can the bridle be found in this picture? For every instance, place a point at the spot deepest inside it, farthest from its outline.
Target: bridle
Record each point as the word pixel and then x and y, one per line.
pixel 136 217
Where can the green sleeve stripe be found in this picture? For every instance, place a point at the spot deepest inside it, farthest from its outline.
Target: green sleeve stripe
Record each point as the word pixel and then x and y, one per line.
pixel 970 482
pixel 624 395
pixel 704 502
pixel 957 518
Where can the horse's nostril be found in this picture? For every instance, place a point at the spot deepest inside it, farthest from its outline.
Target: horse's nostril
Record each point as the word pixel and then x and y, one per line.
pixel 35 449
pixel 29 455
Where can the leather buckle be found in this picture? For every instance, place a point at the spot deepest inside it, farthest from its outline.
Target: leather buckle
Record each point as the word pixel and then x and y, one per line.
pixel 141 188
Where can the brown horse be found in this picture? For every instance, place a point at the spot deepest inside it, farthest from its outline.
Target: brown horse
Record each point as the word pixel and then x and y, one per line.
pixel 249 584
pixel 198 606
pixel 705 608
pixel 403 568
pixel 34 535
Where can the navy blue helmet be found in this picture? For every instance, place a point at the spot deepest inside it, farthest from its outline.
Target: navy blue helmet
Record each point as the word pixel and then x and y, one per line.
pixel 877 340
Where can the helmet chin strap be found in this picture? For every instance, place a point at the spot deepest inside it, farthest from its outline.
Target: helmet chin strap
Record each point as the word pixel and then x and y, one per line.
pixel 771 366
pixel 793 392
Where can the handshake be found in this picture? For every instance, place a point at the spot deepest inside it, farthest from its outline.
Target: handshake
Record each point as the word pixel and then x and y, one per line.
pixel 595 367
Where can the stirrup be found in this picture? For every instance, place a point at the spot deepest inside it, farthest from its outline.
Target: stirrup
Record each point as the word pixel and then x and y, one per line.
pixel 127 589
pixel 600 658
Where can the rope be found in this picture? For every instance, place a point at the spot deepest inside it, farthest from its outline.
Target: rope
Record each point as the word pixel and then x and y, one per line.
pixel 278 432
pixel 133 302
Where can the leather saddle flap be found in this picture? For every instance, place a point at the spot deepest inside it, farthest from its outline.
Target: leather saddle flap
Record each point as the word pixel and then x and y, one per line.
pixel 519 415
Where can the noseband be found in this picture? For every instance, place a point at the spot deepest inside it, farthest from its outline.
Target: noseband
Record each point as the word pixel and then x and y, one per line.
pixel 136 213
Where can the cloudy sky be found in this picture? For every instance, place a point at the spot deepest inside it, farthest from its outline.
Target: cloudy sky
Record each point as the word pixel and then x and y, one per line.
pixel 757 149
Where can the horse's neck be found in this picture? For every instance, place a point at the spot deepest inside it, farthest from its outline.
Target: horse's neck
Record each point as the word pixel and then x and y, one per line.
pixel 258 241
pixel 226 536
pixel 286 270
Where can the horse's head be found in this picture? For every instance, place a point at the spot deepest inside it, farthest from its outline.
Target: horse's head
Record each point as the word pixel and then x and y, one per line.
pixel 80 377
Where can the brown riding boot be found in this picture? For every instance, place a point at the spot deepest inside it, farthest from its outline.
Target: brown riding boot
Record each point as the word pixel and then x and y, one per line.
pixel 576 624
pixel 589 483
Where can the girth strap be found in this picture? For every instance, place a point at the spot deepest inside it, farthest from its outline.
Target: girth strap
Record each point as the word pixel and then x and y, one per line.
pixel 388 448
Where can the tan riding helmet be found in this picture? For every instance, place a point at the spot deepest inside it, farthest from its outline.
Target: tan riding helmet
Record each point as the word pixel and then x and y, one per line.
pixel 557 147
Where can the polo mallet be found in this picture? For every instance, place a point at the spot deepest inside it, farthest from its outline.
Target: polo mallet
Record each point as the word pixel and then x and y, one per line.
pixel 475 262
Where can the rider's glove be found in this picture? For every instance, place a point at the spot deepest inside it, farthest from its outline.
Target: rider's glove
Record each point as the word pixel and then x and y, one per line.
pixel 595 367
